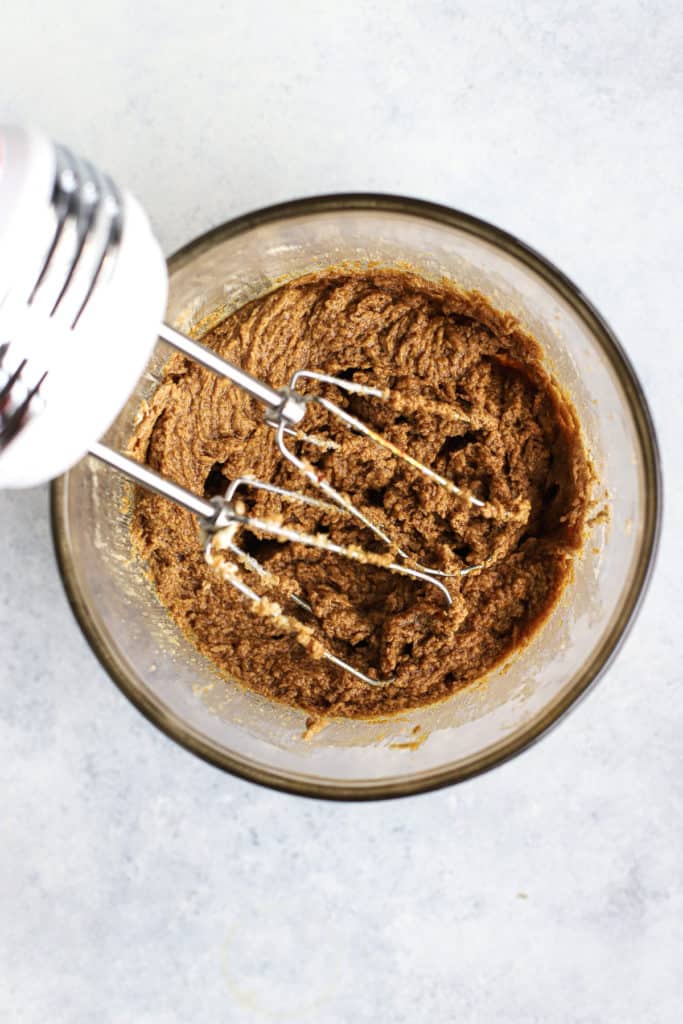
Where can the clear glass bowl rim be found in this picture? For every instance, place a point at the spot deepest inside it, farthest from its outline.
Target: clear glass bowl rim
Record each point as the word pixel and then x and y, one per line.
pixel 175 728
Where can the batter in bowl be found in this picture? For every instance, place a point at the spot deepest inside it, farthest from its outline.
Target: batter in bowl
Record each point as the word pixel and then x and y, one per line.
pixel 475 403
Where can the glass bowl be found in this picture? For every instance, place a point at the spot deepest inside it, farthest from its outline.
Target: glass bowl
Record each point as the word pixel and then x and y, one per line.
pixel 238 730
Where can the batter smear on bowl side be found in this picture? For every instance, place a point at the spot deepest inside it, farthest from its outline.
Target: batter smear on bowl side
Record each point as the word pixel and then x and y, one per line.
pixel 473 401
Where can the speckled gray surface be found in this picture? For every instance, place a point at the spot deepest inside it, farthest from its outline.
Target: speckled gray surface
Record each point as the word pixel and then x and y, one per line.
pixel 138 884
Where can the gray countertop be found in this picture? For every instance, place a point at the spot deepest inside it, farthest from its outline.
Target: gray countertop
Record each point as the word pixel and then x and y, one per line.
pixel 137 884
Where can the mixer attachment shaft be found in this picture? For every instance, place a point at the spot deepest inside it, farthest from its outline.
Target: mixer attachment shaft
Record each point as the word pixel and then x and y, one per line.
pixel 223 517
pixel 285 411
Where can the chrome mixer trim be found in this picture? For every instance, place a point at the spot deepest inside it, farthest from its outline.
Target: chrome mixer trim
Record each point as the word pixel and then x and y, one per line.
pixel 88 219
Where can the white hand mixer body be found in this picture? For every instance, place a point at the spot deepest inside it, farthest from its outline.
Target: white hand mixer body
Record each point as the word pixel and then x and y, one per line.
pixel 57 346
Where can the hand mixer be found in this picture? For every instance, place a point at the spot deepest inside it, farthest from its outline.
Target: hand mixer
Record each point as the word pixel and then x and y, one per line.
pixel 82 277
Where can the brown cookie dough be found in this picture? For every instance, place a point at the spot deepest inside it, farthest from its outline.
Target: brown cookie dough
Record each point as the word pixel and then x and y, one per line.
pixel 474 402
